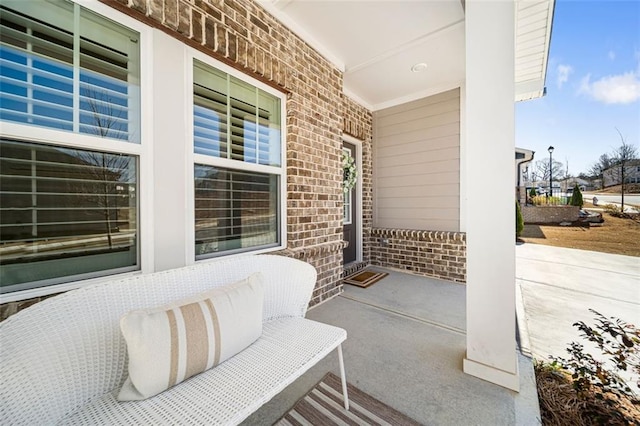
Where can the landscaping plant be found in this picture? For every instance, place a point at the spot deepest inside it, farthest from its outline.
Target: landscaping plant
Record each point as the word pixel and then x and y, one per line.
pixel 519 220
pixel 597 393
pixel 576 197
pixel 542 200
pixel 616 211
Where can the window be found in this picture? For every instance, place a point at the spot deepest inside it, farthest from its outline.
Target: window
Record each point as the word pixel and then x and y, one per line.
pixel 65 212
pixel 69 196
pixel 347 212
pixel 59 72
pixel 238 166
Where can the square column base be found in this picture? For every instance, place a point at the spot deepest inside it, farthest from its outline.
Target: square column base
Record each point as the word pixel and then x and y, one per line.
pixel 491 374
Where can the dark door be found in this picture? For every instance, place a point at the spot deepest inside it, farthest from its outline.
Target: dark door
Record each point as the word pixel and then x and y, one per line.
pixel 350 218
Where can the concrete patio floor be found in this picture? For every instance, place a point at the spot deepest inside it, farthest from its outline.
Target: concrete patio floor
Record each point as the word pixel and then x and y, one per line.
pixel 405 346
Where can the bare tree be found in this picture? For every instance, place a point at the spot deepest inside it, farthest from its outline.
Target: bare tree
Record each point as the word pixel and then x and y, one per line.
pixel 104 174
pixel 108 118
pixel 620 157
pixel 107 170
pixel 542 170
pixel 566 175
pixel 597 169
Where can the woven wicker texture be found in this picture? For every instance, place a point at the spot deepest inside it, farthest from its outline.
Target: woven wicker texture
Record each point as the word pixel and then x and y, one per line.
pixel 62 353
pixel 227 394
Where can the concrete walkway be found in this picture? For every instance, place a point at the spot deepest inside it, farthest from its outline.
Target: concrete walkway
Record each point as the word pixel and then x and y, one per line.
pixel 556 287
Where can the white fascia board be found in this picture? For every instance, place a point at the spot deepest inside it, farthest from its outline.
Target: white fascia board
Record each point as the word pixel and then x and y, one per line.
pixel 528 154
pixel 531 89
pixel 529 96
pixel 547 42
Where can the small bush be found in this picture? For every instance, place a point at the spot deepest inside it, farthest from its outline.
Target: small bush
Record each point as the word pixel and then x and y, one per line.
pixel 582 390
pixel 542 200
pixel 519 220
pixel 617 340
pixel 612 209
pixel 616 211
pixel 576 197
pixel 533 193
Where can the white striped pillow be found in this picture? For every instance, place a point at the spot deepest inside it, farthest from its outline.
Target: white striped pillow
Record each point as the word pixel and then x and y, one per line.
pixel 169 344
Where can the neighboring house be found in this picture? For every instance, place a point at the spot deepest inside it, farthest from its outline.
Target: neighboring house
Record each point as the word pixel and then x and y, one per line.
pixel 231 117
pixel 613 175
pixel 570 183
pixel 523 156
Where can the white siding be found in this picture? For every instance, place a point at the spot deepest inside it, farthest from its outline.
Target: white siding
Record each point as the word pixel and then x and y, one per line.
pixel 416 164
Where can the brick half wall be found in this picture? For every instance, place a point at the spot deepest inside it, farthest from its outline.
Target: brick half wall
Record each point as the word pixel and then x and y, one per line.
pixel 549 214
pixel 435 254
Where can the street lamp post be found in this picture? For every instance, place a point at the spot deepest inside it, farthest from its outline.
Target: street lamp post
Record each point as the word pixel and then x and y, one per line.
pixel 550 149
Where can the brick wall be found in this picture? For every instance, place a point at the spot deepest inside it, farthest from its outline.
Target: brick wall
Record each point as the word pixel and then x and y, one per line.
pixel 243 35
pixel 436 254
pixel 549 214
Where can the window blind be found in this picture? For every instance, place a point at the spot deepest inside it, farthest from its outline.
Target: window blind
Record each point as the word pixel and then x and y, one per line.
pixel 58 204
pixel 234 120
pixel 54 76
pixel 234 209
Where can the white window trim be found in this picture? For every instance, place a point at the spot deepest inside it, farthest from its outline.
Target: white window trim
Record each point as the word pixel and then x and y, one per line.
pixel 359 189
pixel 143 150
pixel 192 158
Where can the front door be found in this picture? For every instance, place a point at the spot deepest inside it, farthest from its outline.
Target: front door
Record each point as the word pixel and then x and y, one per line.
pixel 350 219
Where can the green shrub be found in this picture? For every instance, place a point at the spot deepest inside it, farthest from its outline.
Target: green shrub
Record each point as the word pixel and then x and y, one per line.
pixel 519 220
pixel 576 197
pixel 533 193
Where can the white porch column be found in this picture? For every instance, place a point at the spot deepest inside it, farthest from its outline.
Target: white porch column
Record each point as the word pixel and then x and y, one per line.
pixel 491 344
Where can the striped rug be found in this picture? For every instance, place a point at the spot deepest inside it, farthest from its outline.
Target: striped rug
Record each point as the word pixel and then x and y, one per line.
pixel 323 406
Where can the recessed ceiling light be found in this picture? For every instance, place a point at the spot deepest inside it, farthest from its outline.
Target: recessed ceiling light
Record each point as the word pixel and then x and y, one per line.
pixel 419 67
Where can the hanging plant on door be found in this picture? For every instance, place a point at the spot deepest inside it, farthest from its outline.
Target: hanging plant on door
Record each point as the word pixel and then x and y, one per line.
pixel 350 172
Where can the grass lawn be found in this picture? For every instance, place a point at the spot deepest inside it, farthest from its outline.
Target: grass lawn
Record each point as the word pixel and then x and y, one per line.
pixel 616 235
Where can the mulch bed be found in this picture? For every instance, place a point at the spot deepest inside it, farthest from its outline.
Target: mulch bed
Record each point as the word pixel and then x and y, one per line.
pixel 561 405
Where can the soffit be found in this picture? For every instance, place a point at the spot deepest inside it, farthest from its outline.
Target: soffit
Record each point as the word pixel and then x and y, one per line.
pixel 534 20
pixel 376 42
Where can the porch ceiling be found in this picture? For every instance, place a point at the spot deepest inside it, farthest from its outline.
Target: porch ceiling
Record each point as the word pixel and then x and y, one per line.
pixel 376 42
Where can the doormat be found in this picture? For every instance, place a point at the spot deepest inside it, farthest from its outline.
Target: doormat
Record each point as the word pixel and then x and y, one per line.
pixel 323 405
pixel 365 278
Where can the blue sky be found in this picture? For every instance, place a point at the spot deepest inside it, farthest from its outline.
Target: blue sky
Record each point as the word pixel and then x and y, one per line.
pixel 593 85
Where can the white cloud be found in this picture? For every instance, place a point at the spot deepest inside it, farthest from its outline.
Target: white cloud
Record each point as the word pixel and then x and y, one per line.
pixel 563 74
pixel 612 55
pixel 613 89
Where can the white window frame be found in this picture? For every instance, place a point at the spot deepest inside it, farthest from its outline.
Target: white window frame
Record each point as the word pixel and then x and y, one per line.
pixel 142 150
pixel 192 159
pixel 358 144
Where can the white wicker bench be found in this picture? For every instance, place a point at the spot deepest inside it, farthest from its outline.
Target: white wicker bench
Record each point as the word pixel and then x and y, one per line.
pixel 64 359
